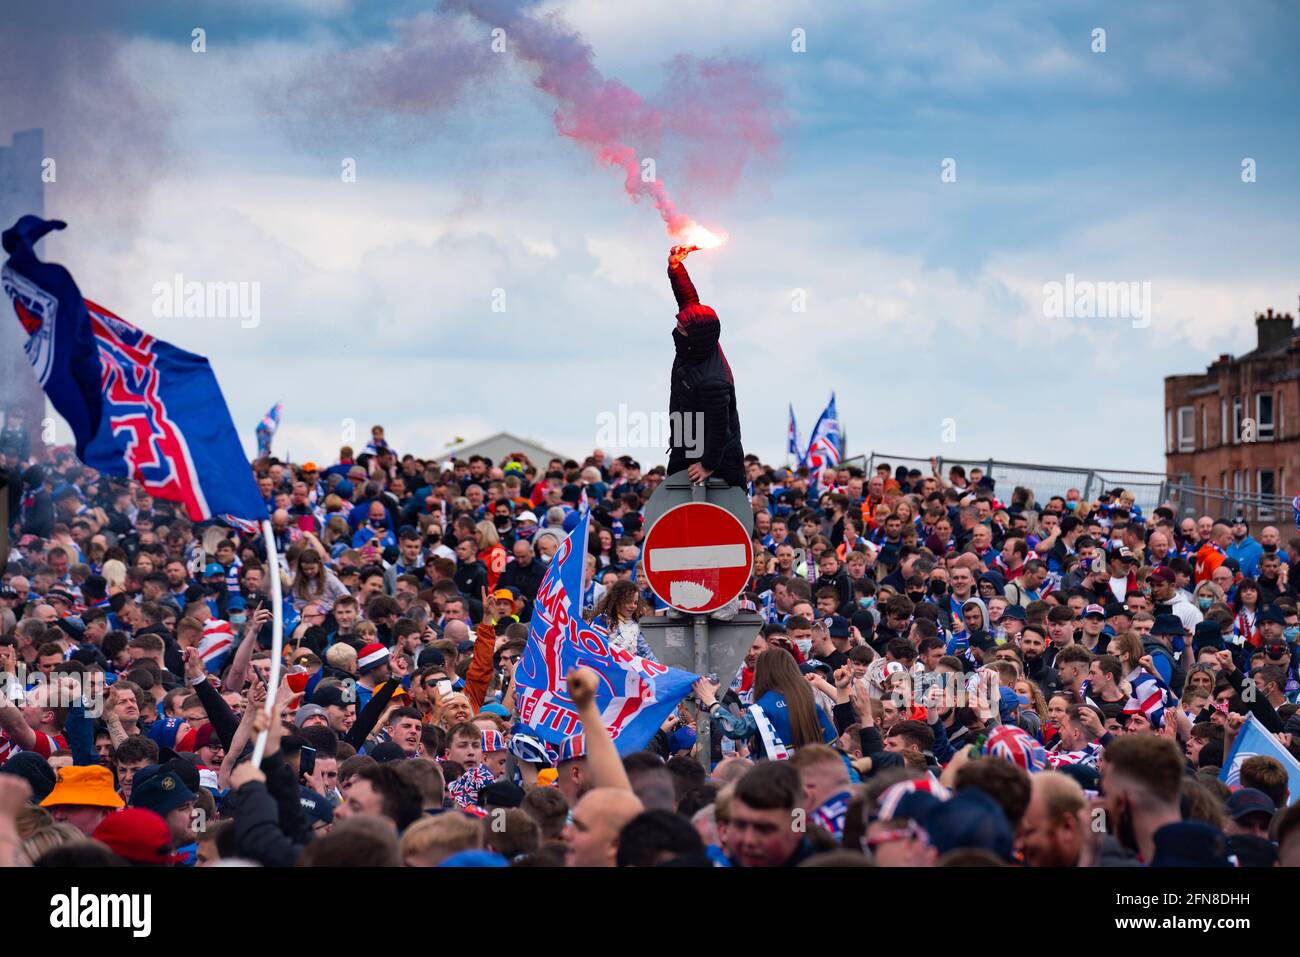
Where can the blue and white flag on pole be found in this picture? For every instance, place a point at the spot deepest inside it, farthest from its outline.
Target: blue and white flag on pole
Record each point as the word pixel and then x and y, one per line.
pixel 793 445
pixel 825 445
pixel 266 430
pixel 139 407
pixel 1255 739
pixel 634 694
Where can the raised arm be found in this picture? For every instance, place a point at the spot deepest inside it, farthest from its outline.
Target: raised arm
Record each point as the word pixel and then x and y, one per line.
pixel 683 288
pixel 603 762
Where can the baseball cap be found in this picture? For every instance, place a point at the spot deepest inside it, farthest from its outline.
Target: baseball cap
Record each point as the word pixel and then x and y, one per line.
pixel 162 793
pixel 1015 611
pixel 1249 801
pixel 1113 609
pixel 1272 613
pixel 838 626
pixel 970 819
pixel 1164 574
pixel 309 467
pixel 526 517
pixel 329 695
pixel 213 568
pixel 1097 610
pixel 139 835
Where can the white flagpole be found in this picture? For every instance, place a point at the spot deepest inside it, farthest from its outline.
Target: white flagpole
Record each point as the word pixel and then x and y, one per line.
pixel 277 635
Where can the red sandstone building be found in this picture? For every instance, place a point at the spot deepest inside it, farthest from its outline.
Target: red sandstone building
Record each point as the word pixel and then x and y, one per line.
pixel 1232 434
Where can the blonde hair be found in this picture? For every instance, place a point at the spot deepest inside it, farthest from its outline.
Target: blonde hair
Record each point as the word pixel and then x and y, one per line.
pixel 45 839
pixel 441 837
pixel 341 656
pixel 114 573
pixel 488 533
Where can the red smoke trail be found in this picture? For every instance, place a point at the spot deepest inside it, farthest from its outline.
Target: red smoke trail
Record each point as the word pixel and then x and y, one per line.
pixel 722 110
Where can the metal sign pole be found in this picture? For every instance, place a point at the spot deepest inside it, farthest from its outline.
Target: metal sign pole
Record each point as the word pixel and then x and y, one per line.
pixel 703 725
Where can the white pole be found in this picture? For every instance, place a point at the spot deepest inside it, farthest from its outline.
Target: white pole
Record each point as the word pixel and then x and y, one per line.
pixel 277 636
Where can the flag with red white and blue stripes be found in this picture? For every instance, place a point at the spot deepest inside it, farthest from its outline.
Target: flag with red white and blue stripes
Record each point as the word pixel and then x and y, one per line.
pixel 140 408
pixel 217 643
pixel 1148 698
pixel 634 694
pixel 267 428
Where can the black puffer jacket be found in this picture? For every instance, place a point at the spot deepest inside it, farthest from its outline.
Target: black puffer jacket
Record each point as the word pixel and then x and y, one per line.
pixel 703 391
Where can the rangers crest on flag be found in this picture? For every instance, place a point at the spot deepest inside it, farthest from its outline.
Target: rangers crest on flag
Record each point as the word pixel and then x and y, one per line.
pixel 139 407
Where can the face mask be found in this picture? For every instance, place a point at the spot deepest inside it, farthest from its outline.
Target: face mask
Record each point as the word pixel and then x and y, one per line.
pixel 916 596
pixel 804 645
pixel 376 523
pixel 866 602
pixel 938 589
pixel 238 619
pixel 1291 633
pixel 1274 652
pixel 1071 505
pixel 1205 603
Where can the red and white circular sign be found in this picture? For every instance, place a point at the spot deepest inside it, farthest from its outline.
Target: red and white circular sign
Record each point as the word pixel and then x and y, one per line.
pixel 698 557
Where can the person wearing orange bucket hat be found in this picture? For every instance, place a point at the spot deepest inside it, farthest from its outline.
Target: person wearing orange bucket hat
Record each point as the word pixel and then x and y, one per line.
pixel 83 797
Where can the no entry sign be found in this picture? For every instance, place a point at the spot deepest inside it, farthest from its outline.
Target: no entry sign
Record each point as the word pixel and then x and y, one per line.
pixel 698 557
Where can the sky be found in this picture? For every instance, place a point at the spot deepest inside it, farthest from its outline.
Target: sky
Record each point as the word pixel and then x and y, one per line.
pixel 483 273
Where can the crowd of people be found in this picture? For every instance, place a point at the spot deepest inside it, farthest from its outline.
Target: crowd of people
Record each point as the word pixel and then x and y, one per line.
pixel 942 677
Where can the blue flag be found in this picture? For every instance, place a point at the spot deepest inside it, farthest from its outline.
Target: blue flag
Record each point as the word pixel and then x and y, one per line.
pixel 266 430
pixel 825 445
pixel 139 407
pixel 793 445
pixel 1255 739
pixel 634 694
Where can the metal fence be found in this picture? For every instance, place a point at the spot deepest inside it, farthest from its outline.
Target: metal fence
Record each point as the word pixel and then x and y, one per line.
pixel 1149 488
pixel 1193 500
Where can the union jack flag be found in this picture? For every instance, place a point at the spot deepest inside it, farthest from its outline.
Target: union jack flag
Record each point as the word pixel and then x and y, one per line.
pixel 1015 744
pixel 139 407
pixel 1087 757
pixel 464 790
pixel 1148 697
pixel 217 643
pixel 634 694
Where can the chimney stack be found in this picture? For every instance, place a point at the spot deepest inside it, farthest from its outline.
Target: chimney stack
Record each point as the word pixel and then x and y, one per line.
pixel 1275 330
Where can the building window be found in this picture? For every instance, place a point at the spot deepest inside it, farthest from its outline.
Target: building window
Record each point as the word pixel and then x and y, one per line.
pixel 1236 419
pixel 1264 416
pixel 1205 426
pixel 1187 429
pixel 1267 489
pixel 1223 421
pixel 1169 431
